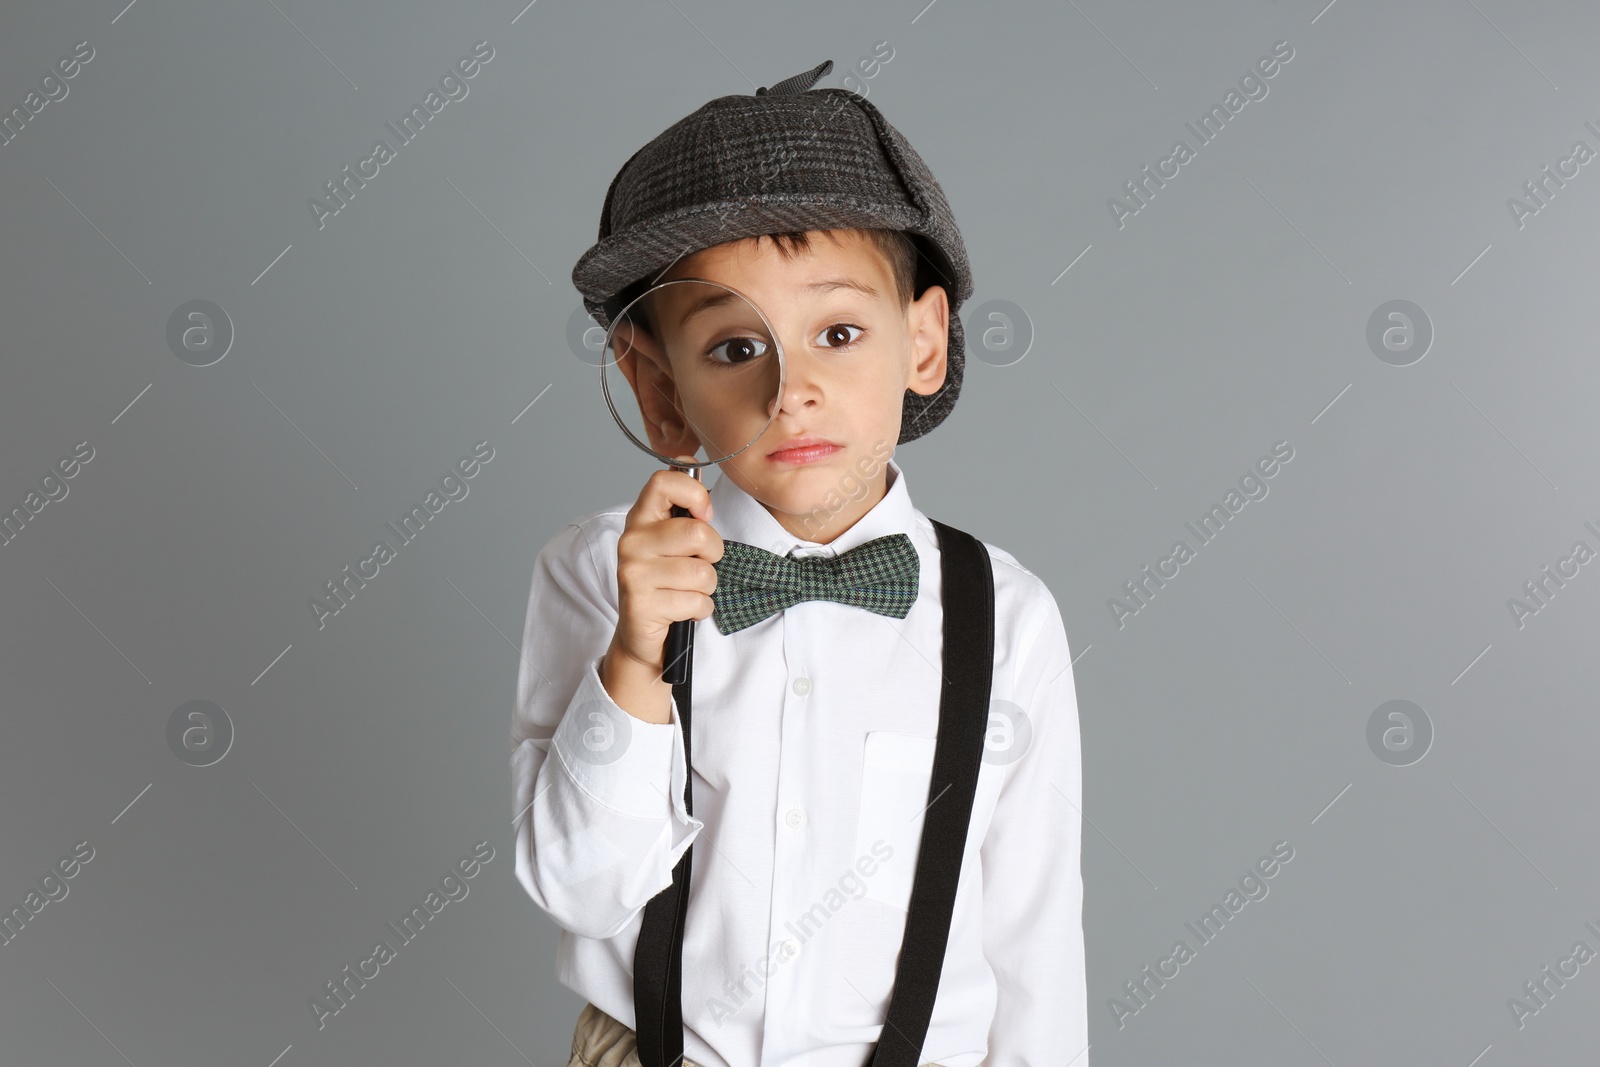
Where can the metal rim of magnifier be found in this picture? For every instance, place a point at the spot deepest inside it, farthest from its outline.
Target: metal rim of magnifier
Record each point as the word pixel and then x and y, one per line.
pixel 605 386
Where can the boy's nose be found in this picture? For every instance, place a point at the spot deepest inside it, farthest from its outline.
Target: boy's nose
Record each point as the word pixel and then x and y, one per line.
pixel 802 378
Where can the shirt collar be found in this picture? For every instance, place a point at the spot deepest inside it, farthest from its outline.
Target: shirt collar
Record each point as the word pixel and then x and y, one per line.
pixel 741 517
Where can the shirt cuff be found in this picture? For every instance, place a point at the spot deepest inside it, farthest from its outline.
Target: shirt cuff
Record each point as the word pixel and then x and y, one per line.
pixel 620 760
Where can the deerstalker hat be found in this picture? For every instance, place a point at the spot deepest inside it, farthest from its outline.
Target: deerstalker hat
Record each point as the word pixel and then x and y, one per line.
pixel 787 158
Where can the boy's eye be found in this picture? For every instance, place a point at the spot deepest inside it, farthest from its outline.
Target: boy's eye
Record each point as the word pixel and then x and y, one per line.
pixel 740 350
pixel 835 336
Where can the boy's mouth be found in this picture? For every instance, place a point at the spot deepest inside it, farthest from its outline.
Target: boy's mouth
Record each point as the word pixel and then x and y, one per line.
pixel 807 448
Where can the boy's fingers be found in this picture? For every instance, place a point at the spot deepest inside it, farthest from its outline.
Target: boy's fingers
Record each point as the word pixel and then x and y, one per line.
pixel 710 509
pixel 697 481
pixel 667 488
pixel 689 536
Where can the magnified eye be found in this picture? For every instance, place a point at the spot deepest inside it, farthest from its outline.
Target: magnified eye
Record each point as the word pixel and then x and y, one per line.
pixel 836 336
pixel 739 350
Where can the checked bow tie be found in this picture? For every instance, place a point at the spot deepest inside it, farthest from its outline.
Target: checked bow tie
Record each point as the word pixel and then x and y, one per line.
pixel 752 583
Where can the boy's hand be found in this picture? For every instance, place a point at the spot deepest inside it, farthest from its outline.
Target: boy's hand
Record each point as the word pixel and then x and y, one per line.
pixel 664 574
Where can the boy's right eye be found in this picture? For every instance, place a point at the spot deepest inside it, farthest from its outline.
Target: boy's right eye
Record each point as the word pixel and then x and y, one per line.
pixel 740 350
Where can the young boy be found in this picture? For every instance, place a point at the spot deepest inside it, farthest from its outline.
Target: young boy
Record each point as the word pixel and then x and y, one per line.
pixel 814 728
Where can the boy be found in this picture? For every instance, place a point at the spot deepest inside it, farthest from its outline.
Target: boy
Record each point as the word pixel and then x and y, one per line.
pixel 814 727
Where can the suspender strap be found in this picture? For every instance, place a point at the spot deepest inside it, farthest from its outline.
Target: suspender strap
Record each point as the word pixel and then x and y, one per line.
pixel 968 597
pixel 967 593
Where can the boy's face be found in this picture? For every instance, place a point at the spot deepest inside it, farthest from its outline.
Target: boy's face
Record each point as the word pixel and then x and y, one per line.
pixel 851 350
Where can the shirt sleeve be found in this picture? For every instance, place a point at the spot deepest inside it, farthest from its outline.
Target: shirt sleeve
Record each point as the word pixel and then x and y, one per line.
pixel 597 793
pixel 1032 882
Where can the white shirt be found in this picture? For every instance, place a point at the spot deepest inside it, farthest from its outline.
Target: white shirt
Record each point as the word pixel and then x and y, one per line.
pixel 813 743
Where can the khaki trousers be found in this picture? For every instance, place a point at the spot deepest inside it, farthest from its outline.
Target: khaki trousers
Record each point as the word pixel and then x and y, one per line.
pixel 602 1041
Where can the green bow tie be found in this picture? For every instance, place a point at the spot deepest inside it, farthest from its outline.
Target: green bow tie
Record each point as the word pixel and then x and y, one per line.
pixel 752 583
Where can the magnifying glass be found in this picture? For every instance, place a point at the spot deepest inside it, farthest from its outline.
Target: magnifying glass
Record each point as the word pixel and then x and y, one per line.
pixel 692 371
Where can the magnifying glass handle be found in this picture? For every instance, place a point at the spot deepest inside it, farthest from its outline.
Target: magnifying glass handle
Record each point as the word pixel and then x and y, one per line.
pixel 680 635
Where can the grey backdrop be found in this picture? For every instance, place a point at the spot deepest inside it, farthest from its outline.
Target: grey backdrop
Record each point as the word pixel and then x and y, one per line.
pixel 1232 311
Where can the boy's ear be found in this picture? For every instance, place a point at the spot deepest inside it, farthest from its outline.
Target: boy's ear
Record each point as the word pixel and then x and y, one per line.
pixel 928 323
pixel 644 363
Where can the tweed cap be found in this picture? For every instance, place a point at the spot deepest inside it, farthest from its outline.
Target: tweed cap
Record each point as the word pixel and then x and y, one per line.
pixel 787 158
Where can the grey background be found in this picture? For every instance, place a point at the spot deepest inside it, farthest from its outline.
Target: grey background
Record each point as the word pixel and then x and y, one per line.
pixel 1227 315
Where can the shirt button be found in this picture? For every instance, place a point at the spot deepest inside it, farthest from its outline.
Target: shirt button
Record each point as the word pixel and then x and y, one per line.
pixel 802 686
pixel 788 949
pixel 795 818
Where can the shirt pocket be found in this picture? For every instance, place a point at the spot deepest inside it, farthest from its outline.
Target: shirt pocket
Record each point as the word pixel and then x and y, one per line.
pixel 895 772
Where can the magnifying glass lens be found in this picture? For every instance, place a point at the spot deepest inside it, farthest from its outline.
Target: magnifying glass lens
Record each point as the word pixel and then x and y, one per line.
pixel 692 368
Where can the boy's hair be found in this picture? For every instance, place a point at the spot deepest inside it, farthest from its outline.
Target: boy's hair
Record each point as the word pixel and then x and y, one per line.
pixel 895 246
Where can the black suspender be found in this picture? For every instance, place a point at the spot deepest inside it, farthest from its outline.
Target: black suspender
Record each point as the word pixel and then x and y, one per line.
pixel 967 594
pixel 968 597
